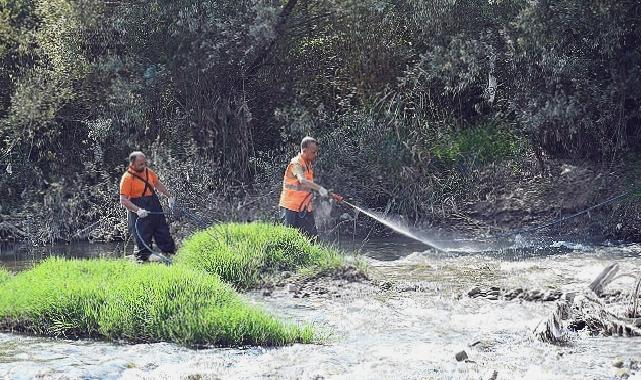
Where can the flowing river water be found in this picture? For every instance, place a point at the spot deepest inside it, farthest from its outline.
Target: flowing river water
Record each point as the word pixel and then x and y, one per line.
pixel 408 330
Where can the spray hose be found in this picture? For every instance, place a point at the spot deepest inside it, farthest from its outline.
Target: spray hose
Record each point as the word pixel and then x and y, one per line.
pixel 163 258
pixel 175 211
pixel 633 192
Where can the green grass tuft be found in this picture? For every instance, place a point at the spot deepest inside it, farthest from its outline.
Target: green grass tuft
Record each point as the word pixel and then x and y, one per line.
pixel 5 275
pixel 244 254
pixel 123 301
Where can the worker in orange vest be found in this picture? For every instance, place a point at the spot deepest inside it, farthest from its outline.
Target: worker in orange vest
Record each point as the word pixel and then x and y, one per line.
pixel 298 183
pixel 138 195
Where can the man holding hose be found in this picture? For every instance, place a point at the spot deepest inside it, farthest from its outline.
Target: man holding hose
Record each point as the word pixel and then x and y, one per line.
pixel 298 183
pixel 138 196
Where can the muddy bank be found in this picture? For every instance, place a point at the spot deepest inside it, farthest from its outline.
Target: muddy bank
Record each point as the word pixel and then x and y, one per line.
pixel 510 198
pixel 507 199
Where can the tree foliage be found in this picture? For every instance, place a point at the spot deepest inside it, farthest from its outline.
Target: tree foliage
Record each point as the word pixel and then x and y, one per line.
pixel 400 88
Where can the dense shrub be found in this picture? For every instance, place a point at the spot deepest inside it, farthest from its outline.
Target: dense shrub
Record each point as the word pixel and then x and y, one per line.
pixel 412 92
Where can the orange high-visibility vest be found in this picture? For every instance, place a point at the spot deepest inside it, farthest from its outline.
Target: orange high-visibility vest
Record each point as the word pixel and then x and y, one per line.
pixel 295 196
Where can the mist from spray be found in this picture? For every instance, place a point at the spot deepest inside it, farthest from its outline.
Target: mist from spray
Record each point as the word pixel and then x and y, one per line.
pixel 441 243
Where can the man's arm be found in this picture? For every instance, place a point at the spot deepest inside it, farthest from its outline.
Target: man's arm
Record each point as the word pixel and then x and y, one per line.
pixel 311 184
pixel 299 173
pixel 162 189
pixel 128 204
pixel 307 183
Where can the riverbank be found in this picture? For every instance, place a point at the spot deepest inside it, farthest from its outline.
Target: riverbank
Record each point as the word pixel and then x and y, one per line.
pixel 505 200
pixel 499 198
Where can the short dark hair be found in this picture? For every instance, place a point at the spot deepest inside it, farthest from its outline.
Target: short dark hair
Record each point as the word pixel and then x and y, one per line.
pixel 133 155
pixel 307 141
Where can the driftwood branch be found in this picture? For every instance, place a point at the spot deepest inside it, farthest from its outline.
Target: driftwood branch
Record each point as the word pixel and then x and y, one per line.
pixel 594 311
pixel 279 31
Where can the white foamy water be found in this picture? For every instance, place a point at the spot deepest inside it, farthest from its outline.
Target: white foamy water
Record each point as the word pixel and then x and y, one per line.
pixel 376 334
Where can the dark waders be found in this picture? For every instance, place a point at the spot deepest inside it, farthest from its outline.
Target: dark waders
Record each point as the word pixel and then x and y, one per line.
pixel 153 226
pixel 303 220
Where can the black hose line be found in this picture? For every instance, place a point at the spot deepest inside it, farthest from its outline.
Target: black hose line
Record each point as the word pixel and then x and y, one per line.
pixel 175 211
pixel 567 217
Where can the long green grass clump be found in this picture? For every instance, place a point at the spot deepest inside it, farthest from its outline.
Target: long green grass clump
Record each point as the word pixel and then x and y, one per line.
pixel 122 301
pixel 5 275
pixel 242 254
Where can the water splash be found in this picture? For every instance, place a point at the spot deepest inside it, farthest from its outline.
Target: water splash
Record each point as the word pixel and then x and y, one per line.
pixel 441 243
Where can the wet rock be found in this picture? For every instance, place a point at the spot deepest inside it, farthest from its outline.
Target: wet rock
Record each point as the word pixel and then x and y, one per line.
pixel 267 292
pixel 491 375
pixel 622 373
pixel 617 363
pixel 482 345
pixel 292 288
pixel 511 295
pixel 474 291
pixel 460 356
pixel 533 295
pixel 385 285
pixel 496 292
pixel 287 274
pixel 348 273
pixel 552 296
pixel 407 288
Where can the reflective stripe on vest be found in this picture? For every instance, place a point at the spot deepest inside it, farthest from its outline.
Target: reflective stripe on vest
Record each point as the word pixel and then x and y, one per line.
pixel 295 196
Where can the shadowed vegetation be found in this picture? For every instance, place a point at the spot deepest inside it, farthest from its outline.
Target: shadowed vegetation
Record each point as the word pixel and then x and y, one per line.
pixel 412 92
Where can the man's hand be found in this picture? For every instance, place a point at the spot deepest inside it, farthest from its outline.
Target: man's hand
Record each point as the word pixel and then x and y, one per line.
pixel 323 192
pixel 142 213
pixel 337 198
pixel 172 202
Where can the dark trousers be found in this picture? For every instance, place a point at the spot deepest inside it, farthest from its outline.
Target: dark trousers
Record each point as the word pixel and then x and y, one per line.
pixel 152 227
pixel 303 220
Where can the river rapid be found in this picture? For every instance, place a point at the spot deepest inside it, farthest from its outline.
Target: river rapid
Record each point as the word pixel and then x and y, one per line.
pixel 407 324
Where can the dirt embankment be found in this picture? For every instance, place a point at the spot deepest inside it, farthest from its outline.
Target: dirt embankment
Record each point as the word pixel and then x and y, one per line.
pixel 508 199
